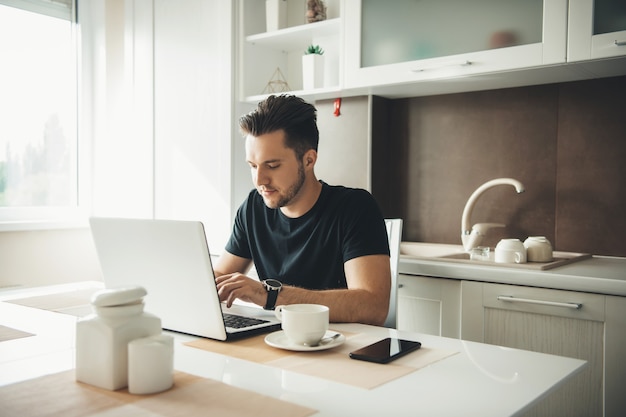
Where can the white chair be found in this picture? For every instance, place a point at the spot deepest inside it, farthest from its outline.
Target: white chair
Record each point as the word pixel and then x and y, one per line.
pixel 394 234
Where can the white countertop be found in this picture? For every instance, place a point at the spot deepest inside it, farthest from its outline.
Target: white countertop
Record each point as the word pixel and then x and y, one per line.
pixel 481 380
pixel 598 274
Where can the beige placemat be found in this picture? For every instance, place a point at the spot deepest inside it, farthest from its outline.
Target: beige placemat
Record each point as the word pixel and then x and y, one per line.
pixel 9 333
pixel 75 303
pixel 60 395
pixel 333 364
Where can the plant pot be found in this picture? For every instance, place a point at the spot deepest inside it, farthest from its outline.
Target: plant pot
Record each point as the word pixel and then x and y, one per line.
pixel 275 14
pixel 312 71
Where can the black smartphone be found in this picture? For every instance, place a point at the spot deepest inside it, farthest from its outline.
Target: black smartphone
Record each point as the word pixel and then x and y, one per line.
pixel 386 350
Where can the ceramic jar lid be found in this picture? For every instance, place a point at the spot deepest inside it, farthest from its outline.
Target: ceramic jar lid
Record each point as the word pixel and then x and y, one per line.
pixel 119 296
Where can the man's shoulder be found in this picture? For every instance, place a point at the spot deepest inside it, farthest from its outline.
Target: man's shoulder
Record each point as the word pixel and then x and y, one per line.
pixel 347 195
pixel 343 191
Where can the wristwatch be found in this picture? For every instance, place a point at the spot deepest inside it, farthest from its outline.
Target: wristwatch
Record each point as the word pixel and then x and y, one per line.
pixel 273 287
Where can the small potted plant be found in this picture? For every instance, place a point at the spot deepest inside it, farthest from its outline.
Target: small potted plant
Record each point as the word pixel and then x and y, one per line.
pixel 313 67
pixel 314 50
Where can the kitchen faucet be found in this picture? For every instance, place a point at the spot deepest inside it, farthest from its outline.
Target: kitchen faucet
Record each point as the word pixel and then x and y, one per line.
pixel 472 238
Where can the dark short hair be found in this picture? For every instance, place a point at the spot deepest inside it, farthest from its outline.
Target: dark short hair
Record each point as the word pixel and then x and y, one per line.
pixel 293 115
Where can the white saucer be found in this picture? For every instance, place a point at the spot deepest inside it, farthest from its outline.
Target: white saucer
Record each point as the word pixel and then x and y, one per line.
pixel 279 340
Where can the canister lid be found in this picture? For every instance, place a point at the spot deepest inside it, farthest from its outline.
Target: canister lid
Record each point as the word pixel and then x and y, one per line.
pixel 110 297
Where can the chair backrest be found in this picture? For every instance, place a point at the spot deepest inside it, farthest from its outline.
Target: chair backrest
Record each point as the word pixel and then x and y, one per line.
pixel 394 234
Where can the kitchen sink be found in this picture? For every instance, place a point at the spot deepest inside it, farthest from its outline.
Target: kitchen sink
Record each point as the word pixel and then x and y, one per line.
pixel 464 255
pixel 456 254
pixel 429 250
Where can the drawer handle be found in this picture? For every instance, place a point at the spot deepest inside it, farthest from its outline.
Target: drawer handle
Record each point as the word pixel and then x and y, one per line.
pixel 620 43
pixel 461 64
pixel 508 298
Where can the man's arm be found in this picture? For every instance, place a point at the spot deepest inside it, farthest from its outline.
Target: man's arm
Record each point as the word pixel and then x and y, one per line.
pixel 366 300
pixel 228 263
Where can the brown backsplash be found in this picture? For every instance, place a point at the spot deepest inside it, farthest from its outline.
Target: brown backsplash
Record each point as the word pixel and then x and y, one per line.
pixel 565 142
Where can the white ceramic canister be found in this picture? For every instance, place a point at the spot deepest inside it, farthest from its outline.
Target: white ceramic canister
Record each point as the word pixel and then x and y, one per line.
pixel 538 249
pixel 102 338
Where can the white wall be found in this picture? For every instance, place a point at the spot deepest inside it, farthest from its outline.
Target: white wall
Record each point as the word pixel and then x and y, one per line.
pixel 345 143
pixel 161 120
pixel 193 114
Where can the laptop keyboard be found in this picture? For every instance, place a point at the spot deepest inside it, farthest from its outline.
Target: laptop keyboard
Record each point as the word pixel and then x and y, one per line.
pixel 239 322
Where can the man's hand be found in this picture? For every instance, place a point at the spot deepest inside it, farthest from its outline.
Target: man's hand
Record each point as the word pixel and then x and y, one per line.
pixel 366 300
pixel 236 285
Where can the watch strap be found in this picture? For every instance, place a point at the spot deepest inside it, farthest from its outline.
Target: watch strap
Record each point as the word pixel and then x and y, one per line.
pixel 272 287
pixel 272 296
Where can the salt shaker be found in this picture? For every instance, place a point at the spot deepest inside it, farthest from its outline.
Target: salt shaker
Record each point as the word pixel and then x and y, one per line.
pixel 151 364
pixel 102 338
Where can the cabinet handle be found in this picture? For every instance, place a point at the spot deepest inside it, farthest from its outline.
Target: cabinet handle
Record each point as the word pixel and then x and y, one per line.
pixel 462 64
pixel 620 43
pixel 575 306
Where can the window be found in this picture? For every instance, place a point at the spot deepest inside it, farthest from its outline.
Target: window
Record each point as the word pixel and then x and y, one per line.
pixel 38 104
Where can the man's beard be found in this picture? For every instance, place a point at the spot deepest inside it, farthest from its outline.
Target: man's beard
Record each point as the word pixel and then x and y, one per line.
pixel 291 192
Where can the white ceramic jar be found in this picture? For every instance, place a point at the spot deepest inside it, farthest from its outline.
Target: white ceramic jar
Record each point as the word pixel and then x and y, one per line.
pixel 538 249
pixel 102 338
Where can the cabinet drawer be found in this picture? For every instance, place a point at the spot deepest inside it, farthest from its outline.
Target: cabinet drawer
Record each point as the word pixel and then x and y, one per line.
pixel 558 303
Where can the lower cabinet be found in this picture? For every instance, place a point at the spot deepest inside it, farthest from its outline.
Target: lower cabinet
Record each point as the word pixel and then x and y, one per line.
pixel 566 323
pixel 429 305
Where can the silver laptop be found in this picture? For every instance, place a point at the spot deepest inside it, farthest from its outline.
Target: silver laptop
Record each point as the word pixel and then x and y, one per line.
pixel 171 260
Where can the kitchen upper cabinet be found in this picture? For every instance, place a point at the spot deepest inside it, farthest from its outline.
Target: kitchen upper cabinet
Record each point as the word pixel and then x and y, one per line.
pixel 429 305
pixel 270 61
pixel 566 323
pixel 441 39
pixel 597 29
pixel 428 47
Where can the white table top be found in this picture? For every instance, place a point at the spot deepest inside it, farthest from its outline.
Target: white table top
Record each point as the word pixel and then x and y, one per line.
pixel 481 380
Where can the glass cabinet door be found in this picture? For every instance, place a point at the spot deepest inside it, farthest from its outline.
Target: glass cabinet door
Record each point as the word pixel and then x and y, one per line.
pixel 597 29
pixel 422 29
pixel 609 16
pixel 414 40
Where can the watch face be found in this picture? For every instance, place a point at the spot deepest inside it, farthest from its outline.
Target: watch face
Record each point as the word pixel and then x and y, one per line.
pixel 273 284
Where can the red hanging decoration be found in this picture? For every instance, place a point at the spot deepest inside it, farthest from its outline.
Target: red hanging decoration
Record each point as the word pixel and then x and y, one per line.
pixel 337 111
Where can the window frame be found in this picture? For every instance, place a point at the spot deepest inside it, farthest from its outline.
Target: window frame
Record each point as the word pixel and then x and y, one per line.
pixel 56 217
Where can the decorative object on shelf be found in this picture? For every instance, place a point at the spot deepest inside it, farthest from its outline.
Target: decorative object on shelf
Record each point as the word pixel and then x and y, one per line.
pixel 315 11
pixel 313 68
pixel 277 84
pixel 275 15
pixel 502 39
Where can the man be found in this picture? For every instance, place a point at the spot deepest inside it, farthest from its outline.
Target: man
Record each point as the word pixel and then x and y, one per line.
pixel 310 242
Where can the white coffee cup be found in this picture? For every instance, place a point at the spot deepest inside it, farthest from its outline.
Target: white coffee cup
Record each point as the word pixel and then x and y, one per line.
pixel 303 324
pixel 510 251
pixel 538 249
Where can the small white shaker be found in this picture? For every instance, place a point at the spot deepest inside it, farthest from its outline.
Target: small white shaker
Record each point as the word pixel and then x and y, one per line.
pixel 151 364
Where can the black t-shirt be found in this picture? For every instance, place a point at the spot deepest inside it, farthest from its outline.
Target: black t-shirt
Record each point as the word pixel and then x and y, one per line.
pixel 310 251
